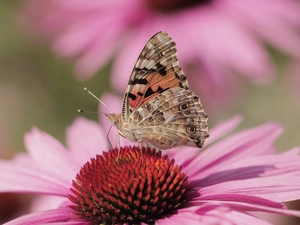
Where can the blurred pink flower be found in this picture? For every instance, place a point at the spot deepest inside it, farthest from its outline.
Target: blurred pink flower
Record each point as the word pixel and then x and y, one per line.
pixel 231 178
pixel 214 37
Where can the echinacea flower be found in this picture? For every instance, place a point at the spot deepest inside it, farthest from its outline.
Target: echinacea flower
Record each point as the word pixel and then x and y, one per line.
pixel 214 38
pixel 221 185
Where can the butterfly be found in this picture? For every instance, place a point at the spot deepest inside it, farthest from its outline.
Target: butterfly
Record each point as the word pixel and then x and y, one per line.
pixel 158 106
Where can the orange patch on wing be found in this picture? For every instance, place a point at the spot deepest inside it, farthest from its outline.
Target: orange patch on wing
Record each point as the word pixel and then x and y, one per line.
pixel 156 82
pixel 165 82
pixel 135 103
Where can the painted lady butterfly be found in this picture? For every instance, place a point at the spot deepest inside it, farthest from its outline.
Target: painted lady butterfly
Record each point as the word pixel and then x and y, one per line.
pixel 158 106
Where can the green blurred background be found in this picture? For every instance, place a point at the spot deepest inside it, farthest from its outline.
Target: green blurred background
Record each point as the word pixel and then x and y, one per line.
pixel 37 89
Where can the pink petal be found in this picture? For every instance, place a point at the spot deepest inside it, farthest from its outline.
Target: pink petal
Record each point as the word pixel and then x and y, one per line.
pixel 241 56
pixel 49 217
pixel 207 77
pixel 79 5
pixel 274 177
pixel 294 151
pixel 265 22
pixel 287 10
pixel 242 206
pixel 221 129
pixel 197 215
pixel 86 139
pixel 188 218
pixel 46 202
pixel 247 199
pixel 238 146
pixel 76 38
pixel 31 179
pixel 235 217
pixel 274 219
pixel 211 214
pixel 98 53
pixel 50 154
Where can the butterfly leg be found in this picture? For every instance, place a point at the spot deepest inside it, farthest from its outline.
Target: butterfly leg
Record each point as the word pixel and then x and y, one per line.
pixel 107 137
pixel 118 145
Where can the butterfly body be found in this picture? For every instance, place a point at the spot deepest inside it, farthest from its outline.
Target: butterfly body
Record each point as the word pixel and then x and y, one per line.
pixel 158 106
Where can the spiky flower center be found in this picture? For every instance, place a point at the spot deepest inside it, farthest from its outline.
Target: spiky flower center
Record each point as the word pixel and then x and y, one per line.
pixel 141 186
pixel 174 5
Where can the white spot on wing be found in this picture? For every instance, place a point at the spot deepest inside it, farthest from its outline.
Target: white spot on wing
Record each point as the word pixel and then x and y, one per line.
pixel 150 46
pixel 149 64
pixel 145 63
pixel 164 62
pixel 169 118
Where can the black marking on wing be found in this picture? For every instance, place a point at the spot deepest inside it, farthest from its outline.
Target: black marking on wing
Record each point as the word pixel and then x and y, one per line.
pixel 149 92
pixel 132 96
pixel 199 142
pixel 139 81
pixel 180 77
pixel 160 89
pixel 162 69
pixel 141 72
pixel 124 105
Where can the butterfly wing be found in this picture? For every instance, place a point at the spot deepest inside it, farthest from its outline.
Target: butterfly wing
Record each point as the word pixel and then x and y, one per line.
pixel 175 118
pixel 155 71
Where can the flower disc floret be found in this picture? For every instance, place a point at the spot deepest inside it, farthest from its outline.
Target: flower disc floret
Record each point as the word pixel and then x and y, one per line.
pixel 139 186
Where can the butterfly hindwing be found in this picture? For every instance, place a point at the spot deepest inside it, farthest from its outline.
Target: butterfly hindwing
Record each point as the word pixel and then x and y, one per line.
pixel 155 71
pixel 174 118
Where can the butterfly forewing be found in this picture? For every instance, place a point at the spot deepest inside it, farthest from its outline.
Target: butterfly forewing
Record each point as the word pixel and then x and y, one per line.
pixel 155 71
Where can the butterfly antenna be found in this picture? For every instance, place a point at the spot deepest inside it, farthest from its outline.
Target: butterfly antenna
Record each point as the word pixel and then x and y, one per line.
pixel 84 111
pixel 88 91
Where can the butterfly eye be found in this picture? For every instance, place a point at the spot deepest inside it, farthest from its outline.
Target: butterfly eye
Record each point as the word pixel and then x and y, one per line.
pixel 187 112
pixel 191 129
pixel 183 106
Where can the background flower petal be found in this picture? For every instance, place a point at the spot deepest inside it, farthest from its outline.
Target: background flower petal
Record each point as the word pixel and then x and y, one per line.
pixel 63 214
pixel 274 177
pixel 33 179
pixel 248 143
pixel 221 129
pixel 48 153
pixel 85 139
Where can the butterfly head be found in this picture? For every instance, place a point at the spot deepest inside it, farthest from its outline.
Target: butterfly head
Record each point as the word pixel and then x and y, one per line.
pixel 114 119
